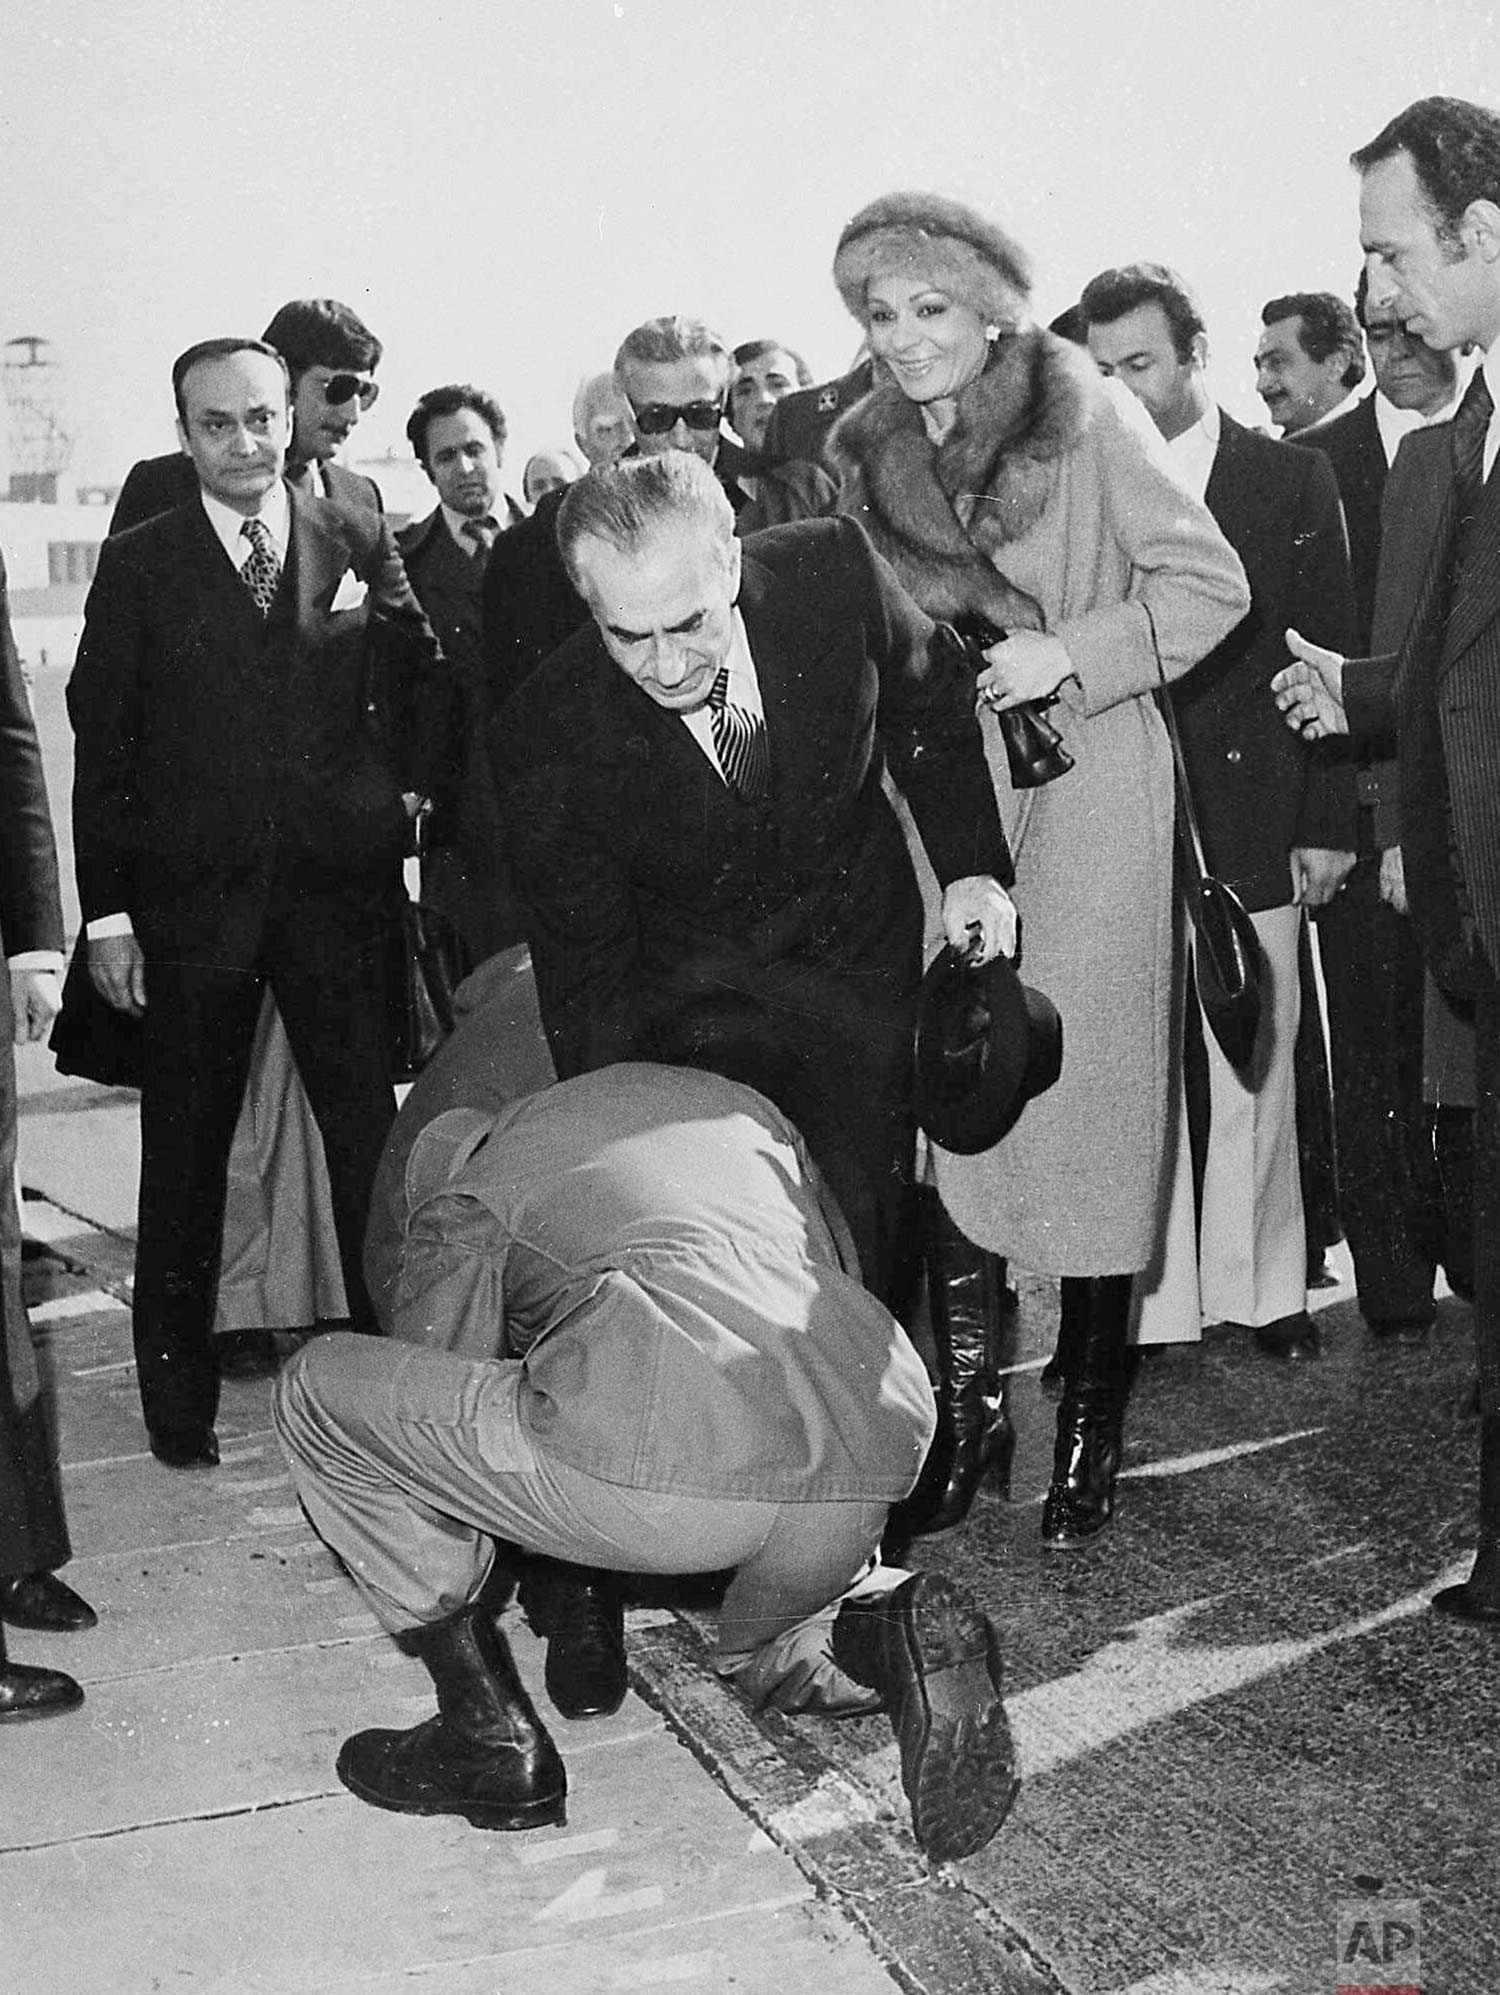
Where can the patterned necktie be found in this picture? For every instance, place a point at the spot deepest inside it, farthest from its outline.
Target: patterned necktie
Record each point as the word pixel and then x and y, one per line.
pixel 262 571
pixel 1471 426
pixel 739 742
pixel 480 533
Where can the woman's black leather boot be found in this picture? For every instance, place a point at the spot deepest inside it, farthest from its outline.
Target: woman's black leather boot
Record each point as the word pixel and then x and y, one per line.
pixel 975 1437
pixel 1081 1500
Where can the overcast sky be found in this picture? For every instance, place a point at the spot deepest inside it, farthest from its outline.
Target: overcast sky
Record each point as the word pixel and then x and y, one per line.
pixel 503 187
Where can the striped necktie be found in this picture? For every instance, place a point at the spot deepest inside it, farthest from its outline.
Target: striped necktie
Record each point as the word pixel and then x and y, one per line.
pixel 1471 427
pixel 739 743
pixel 262 571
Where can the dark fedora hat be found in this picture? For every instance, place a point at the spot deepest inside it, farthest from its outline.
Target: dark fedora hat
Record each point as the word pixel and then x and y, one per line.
pixel 986 1044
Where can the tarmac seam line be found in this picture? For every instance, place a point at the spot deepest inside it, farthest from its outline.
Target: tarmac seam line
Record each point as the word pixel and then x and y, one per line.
pixel 919 1921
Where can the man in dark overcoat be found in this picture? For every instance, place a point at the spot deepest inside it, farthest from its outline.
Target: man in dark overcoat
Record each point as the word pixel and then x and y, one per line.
pixel 252 699
pixel 33 1532
pixel 1430 227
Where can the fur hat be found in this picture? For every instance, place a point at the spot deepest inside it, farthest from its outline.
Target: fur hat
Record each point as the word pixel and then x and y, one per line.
pixel 929 236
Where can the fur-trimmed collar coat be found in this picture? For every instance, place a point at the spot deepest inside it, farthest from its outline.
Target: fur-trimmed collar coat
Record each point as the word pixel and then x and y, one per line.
pixel 1052 503
pixel 943 514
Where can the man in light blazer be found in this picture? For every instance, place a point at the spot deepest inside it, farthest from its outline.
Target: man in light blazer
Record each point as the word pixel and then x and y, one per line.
pixel 1430 228
pixel 1277 817
pixel 251 700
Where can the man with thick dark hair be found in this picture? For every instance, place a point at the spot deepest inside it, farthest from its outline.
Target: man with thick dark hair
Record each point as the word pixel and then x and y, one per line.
pixel 457 433
pixel 1310 358
pixel 1278 827
pixel 331 356
pixel 1429 208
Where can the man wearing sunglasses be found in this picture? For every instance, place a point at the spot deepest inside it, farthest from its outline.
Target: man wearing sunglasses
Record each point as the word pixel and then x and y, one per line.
pixel 331 356
pixel 674 373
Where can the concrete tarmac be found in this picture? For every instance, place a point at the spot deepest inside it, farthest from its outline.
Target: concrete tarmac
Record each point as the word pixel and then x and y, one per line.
pixel 1253 1761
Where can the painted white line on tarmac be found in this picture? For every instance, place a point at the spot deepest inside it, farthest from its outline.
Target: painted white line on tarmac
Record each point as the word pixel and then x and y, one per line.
pixel 100 1371
pixel 89 1302
pixel 1163 1666
pixel 1212 1458
pixel 584 1845
pixel 587 1898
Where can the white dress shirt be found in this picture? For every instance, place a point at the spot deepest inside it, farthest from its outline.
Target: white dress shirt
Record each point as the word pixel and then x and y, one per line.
pixel 744 693
pixel 1194 451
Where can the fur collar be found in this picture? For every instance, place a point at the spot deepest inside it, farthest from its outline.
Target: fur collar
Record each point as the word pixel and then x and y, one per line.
pixel 942 514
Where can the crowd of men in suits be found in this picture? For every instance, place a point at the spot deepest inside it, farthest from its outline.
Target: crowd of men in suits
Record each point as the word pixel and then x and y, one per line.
pixel 272 690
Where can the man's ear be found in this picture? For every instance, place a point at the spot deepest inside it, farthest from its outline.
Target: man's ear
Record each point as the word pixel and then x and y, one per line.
pixel 1480 227
pixel 182 442
pixel 1198 350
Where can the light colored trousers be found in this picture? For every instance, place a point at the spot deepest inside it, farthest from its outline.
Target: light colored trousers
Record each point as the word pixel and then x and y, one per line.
pixel 1245 1261
pixel 410 1462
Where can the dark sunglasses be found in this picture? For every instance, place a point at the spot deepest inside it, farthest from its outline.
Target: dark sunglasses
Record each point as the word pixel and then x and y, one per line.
pixel 340 388
pixel 658 417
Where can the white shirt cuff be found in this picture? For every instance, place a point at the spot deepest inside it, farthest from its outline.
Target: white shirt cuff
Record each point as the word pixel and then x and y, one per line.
pixel 38 959
pixel 107 925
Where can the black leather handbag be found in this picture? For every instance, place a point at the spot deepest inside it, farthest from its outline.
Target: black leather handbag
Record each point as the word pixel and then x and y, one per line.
pixel 1227 962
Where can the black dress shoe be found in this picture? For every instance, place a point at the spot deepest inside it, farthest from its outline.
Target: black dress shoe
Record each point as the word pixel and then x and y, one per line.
pixel 41 1600
pixel 1292 1339
pixel 1406 1327
pixel 35 1693
pixel 1460 1604
pixel 194 1449
pixel 581 1614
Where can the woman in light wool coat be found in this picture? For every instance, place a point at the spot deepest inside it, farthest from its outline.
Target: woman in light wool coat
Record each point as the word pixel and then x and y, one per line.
pixel 1002 478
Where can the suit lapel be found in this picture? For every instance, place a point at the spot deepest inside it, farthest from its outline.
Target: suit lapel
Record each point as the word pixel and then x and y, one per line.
pixel 317 554
pixel 1475 599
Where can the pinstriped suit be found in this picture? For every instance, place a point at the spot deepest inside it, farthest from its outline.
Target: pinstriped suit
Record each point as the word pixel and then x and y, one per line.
pixel 1442 691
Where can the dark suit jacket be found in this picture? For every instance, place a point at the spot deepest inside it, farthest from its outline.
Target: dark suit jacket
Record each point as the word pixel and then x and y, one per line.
pixel 33 1535
pixel 1440 691
pixel 157 484
pixel 1261 791
pixel 638 867
pixel 800 422
pixel 30 912
pixel 1351 443
pixel 213 744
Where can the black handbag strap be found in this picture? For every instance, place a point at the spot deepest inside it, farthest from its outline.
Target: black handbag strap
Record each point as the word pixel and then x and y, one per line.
pixel 1187 815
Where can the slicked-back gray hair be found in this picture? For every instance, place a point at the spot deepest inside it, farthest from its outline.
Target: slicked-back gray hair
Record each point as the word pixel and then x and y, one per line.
pixel 661 342
pixel 625 504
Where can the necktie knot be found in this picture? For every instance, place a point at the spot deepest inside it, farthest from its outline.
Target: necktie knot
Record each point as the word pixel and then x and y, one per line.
pixel 481 534
pixel 718 693
pixel 261 573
